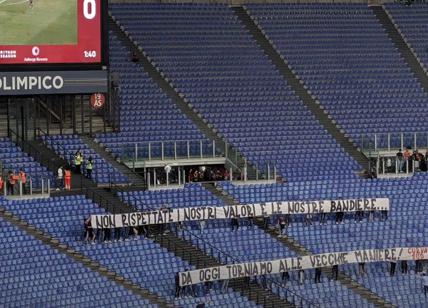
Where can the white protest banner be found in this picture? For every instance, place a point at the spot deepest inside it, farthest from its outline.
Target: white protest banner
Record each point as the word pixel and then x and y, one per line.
pixel 248 269
pixel 163 216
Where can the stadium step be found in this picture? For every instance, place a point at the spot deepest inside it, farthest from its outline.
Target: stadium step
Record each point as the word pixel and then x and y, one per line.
pixel 293 245
pixel 309 100
pixel 407 52
pixel 51 160
pixel 185 250
pixel 220 193
pixel 200 259
pixel 236 160
pixel 80 258
pixel 135 179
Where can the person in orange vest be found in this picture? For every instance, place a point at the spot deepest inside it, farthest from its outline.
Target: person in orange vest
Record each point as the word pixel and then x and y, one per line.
pixel 1 184
pixel 11 182
pixel 67 179
pixel 23 179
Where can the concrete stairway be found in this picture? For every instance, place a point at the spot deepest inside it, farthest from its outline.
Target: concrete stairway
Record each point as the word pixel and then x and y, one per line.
pixel 299 88
pixel 293 245
pixel 236 159
pixel 193 255
pixel 200 259
pixel 134 178
pixel 77 257
pixel 408 54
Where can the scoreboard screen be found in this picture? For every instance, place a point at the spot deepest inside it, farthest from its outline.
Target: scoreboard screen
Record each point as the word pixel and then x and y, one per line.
pixel 50 31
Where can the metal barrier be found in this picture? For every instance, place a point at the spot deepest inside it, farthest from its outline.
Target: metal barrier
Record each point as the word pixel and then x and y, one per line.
pixel 394 141
pixel 171 150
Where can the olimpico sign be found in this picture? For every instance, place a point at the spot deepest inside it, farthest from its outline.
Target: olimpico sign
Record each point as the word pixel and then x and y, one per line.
pixel 25 83
pixel 53 82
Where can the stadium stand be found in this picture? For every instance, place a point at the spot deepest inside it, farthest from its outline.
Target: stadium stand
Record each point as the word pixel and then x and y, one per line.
pixel 138 260
pixel 248 243
pixel 215 63
pixel 405 226
pixel 344 58
pixel 43 277
pixel 347 60
pixel 67 146
pixel 411 20
pixel 146 113
pixel 14 159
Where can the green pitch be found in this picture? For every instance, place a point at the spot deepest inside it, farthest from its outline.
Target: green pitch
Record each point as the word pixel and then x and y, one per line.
pixel 48 22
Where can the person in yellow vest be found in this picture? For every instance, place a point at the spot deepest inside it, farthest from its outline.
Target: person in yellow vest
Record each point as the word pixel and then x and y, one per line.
pixel 23 179
pixel 89 167
pixel 78 160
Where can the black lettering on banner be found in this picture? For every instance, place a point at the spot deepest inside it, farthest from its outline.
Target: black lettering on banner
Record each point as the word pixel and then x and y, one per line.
pixel 242 210
pixel 185 279
pixel 313 260
pixel 400 253
pixel 232 212
pixel 256 270
pixel 209 274
pixel 249 210
pixel 170 218
pixel 373 204
pixel 366 204
pixel 262 206
pixel 324 260
pixel 262 268
pixel 186 214
pixel 333 206
pixel 99 222
pixel 211 213
pixel 358 256
pixel 283 267
pixel 124 219
pixel 226 212
pixel 229 271
pixel 108 221
pixel 386 254
pixel 321 206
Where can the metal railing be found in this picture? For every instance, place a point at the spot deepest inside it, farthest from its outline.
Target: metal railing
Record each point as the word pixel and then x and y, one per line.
pixel 171 150
pixel 226 258
pixel 393 141
pixel 388 165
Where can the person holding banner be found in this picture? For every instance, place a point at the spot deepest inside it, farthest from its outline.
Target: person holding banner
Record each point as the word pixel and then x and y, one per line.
pixel 285 277
pixel 425 283
pixel 177 285
pixel 335 272
pixel 301 275
pixel 404 267
pixel 281 222
pixel 234 222
pixel 317 275
pixel 393 264
pixel 361 269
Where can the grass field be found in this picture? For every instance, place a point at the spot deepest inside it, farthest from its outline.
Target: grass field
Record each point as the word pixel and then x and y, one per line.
pixel 48 22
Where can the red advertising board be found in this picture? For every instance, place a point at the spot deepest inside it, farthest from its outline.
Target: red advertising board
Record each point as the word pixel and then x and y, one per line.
pixel 74 36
